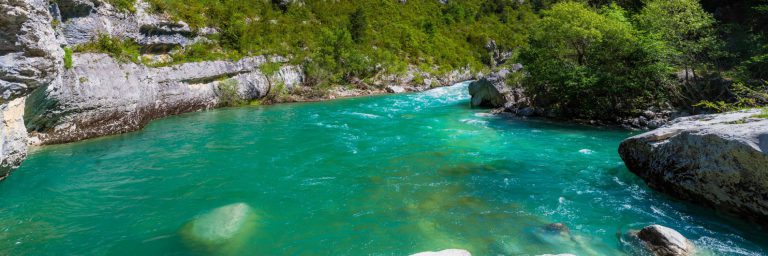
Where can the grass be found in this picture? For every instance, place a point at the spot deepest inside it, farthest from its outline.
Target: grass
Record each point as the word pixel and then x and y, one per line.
pixel 123 50
pixel 124 5
pixel 764 114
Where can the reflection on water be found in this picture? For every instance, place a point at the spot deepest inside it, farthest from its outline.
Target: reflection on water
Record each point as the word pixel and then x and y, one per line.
pixel 388 175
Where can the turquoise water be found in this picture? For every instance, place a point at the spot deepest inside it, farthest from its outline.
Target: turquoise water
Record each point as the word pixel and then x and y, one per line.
pixel 386 175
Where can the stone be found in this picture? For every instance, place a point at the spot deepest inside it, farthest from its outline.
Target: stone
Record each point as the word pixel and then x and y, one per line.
pixel 492 91
pixel 664 241
pixel 395 89
pixel 719 160
pixel 156 33
pixel 448 252
pixel 13 136
pixel 100 96
pixel 558 228
pixel 30 58
pixel 222 229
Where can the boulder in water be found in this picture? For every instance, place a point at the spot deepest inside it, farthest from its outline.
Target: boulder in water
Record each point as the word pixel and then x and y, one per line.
pixel 448 252
pixel 223 228
pixel 719 160
pixel 664 241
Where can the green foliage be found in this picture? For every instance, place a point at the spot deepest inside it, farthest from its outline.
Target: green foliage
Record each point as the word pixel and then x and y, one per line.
pixel 358 24
pixel 593 64
pixel 355 39
pixel 68 58
pixel 124 5
pixel 745 97
pixel 764 114
pixel 123 50
pixel 270 68
pixel 228 95
pixel 685 27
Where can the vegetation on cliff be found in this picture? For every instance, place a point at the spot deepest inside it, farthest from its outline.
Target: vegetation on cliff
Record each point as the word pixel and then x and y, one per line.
pixel 586 59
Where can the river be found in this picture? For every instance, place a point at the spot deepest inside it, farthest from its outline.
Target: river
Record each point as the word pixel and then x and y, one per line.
pixel 383 175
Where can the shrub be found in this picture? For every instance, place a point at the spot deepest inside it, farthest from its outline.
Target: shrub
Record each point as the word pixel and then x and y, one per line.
pixel 123 50
pixel 228 95
pixel 124 5
pixel 68 58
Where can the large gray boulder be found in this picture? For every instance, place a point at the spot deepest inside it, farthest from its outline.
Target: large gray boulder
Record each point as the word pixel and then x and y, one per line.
pixel 492 91
pixel 720 160
pixel 29 58
pixel 101 96
pixel 663 241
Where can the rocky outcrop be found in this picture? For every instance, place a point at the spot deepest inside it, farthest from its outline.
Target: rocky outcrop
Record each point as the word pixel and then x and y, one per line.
pixel 29 58
pixel 493 91
pixel 664 241
pixel 448 252
pixel 101 96
pixel 720 160
pixel 83 20
pixel 656 240
pixel 13 136
pixel 415 79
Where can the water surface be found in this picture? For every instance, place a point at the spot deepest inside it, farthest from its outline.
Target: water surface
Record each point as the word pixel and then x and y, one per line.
pixel 386 175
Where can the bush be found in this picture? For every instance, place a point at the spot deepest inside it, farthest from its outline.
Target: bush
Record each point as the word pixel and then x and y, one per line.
pixel 228 95
pixel 68 58
pixel 123 50
pixel 124 5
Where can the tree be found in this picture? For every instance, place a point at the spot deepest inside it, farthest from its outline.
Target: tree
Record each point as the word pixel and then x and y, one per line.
pixel 358 24
pixel 686 28
pixel 591 64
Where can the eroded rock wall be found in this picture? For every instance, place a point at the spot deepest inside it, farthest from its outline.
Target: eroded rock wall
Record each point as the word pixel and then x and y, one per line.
pixel 30 57
pixel 100 96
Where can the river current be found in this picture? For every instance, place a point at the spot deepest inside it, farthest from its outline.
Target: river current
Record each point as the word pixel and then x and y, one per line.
pixel 383 175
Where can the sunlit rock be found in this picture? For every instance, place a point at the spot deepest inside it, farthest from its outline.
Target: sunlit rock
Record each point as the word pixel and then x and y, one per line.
pixel 223 229
pixel 664 241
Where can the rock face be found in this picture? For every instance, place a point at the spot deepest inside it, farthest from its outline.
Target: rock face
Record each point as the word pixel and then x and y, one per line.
pixel 101 96
pixel 492 91
pixel 82 20
pixel 13 136
pixel 720 160
pixel 222 230
pixel 448 252
pixel 29 58
pixel 664 241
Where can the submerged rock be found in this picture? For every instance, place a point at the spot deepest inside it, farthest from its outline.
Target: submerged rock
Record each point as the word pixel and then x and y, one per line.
pixel 664 241
pixel 448 252
pixel 223 228
pixel 720 160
